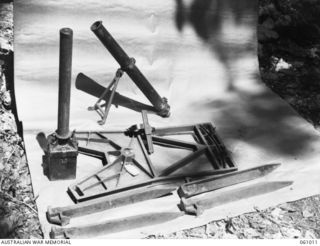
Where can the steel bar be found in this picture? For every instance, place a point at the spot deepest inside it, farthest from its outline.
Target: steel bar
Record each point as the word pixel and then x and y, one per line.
pixel 211 156
pixel 62 215
pixel 128 65
pixel 113 226
pixel 146 156
pixel 174 130
pixel 65 65
pixel 183 162
pixel 147 131
pixel 213 183
pixel 197 204
pixel 174 143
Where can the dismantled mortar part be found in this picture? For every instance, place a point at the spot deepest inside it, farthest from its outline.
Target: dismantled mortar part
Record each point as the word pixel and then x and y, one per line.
pixel 197 204
pixel 198 187
pixel 63 215
pixel 188 187
pixel 159 106
pixel 204 145
pixel 60 159
pixel 113 226
pixel 88 85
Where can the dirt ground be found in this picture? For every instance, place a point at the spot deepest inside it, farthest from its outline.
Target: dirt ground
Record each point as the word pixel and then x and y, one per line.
pixel 18 212
pixel 289 66
pixel 299 219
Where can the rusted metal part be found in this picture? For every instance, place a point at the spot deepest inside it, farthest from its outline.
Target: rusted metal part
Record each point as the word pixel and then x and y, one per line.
pixel 217 182
pixel 63 215
pixel 113 226
pixel 197 204
pixel 88 85
pixel 61 147
pixel 127 64
pixel 105 181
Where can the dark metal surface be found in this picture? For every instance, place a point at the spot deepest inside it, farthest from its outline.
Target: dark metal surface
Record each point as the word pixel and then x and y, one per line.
pixel 128 65
pixel 209 184
pixel 61 147
pixel 88 85
pixel 173 179
pixel 113 226
pixel 60 159
pixel 62 215
pixel 102 182
pixel 98 107
pixel 65 66
pixel 197 204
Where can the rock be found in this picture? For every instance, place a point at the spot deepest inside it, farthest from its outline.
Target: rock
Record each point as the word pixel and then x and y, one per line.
pixel 251 233
pixel 282 64
pixel 291 233
pixel 287 207
pixel 276 213
pixel 6 98
pixel 7 122
pixel 307 214
pixel 309 235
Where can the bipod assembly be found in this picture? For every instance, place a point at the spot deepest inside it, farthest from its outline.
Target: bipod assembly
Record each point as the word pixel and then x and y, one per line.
pixel 113 87
pixel 159 105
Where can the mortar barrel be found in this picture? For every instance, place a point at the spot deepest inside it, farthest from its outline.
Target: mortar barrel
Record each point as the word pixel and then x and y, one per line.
pixel 65 67
pixel 127 64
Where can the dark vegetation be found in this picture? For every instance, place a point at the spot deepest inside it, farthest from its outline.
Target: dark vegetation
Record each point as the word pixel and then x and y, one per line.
pixel 289 53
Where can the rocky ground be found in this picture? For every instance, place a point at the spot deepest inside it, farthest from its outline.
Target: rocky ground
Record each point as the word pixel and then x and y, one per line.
pixel 289 57
pixel 299 219
pixel 18 212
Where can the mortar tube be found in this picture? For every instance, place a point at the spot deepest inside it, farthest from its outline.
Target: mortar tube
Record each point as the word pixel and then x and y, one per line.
pixel 128 65
pixel 65 67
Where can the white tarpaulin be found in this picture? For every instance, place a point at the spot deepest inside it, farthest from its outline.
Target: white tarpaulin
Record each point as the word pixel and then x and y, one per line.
pixel 187 60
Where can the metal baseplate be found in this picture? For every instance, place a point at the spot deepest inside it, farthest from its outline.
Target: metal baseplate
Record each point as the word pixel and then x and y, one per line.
pixel 130 165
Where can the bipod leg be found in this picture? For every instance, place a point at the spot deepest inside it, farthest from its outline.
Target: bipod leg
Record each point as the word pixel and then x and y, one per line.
pixel 147 131
pixel 97 107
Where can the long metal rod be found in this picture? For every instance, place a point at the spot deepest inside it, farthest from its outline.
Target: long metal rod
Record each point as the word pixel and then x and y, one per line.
pixel 113 226
pixel 197 204
pixel 128 65
pixel 62 215
pixel 65 66
pixel 213 183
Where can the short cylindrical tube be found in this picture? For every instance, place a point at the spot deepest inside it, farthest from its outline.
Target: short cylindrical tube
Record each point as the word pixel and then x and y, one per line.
pixel 65 66
pixel 128 65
